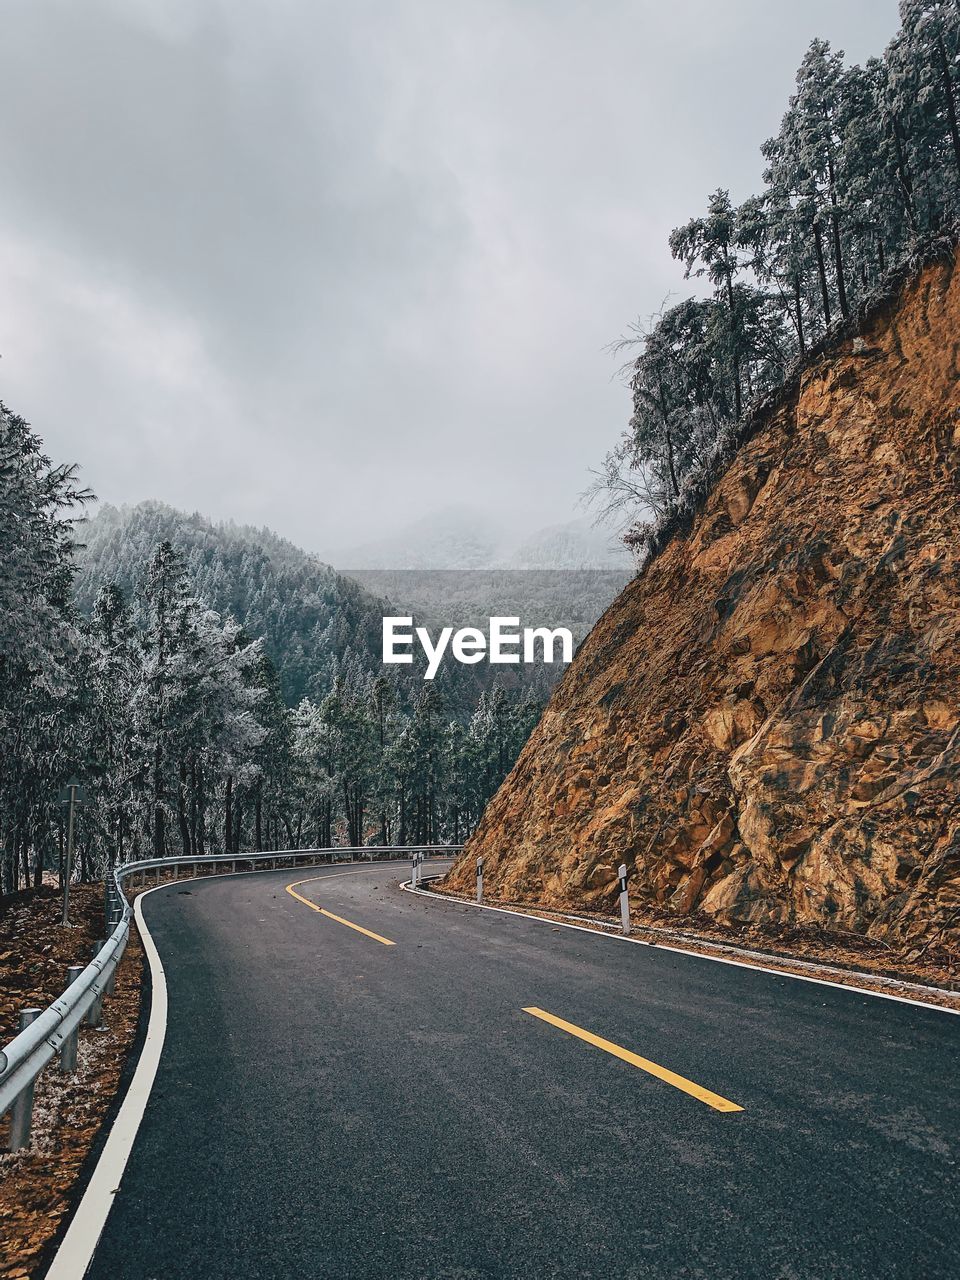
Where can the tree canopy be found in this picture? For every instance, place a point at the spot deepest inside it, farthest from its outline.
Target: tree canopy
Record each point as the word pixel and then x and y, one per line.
pixel 864 169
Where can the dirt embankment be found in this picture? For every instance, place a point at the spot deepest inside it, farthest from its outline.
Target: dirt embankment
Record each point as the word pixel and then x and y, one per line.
pixel 39 1186
pixel 765 726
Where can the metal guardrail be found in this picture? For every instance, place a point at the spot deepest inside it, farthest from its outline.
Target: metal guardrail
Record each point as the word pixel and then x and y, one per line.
pixel 45 1033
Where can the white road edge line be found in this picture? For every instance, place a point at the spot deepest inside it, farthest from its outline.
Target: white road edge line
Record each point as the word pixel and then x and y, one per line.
pixel 78 1245
pixel 76 1250
pixel 695 955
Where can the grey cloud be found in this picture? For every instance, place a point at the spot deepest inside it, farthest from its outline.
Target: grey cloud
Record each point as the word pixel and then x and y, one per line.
pixel 328 265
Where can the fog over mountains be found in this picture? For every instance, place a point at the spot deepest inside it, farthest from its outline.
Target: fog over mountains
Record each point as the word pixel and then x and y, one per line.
pixel 462 538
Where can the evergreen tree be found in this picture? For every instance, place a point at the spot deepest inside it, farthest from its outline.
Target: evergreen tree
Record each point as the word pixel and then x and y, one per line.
pixel 865 165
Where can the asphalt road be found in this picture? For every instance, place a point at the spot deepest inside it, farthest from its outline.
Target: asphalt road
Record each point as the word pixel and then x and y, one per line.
pixel 331 1106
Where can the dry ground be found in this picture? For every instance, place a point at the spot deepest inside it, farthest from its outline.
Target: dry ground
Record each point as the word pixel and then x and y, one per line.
pixel 39 1186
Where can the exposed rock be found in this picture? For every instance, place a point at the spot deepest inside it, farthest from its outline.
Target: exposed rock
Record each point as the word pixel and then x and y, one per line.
pixel 765 726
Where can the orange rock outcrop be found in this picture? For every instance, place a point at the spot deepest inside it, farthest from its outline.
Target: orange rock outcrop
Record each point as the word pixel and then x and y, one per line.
pixel 765 725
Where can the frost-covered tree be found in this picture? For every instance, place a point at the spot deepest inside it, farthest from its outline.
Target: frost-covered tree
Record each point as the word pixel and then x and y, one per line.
pixel 865 165
pixel 39 645
pixel 708 246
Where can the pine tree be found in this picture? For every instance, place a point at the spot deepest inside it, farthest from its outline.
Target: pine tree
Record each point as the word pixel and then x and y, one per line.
pixel 708 247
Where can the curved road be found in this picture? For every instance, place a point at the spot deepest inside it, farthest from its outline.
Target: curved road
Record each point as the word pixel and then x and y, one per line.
pixel 328 1105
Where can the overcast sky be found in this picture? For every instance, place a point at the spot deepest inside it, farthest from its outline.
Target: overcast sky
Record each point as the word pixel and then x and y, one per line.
pixel 327 266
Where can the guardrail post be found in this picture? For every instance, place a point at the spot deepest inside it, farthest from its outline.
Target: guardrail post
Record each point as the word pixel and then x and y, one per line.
pixel 21 1113
pixel 96 1009
pixel 479 879
pixel 624 900
pixel 114 910
pixel 68 1050
pixel 111 982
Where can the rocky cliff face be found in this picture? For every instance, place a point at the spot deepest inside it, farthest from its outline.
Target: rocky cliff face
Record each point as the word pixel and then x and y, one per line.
pixel 765 726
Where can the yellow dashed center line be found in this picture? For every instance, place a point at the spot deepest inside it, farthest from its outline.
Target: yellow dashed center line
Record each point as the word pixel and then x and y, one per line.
pixel 291 889
pixel 652 1068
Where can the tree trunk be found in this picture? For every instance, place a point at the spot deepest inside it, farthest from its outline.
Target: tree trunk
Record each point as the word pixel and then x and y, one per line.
pixel 201 809
pixel 673 472
pixel 182 810
pixel 159 836
pixel 734 352
pixel 950 100
pixel 798 303
pixel 903 173
pixel 837 247
pixel 228 815
pixel 822 273
pixel 838 260
pixel 193 804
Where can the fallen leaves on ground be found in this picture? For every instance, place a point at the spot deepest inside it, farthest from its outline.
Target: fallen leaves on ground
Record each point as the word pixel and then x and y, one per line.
pixel 38 1187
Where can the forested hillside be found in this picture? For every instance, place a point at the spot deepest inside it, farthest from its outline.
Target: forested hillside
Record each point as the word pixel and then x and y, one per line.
pixel 312 620
pixel 218 690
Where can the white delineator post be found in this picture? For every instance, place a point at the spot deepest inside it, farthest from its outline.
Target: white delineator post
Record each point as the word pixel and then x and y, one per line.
pixel 479 879
pixel 624 900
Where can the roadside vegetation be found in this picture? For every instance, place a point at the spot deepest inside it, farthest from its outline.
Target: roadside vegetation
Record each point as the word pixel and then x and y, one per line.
pixel 38 1186
pixel 189 731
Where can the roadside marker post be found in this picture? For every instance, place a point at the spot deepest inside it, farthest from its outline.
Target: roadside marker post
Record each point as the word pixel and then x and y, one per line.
pixel 480 879
pixel 71 795
pixel 21 1113
pixel 624 901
